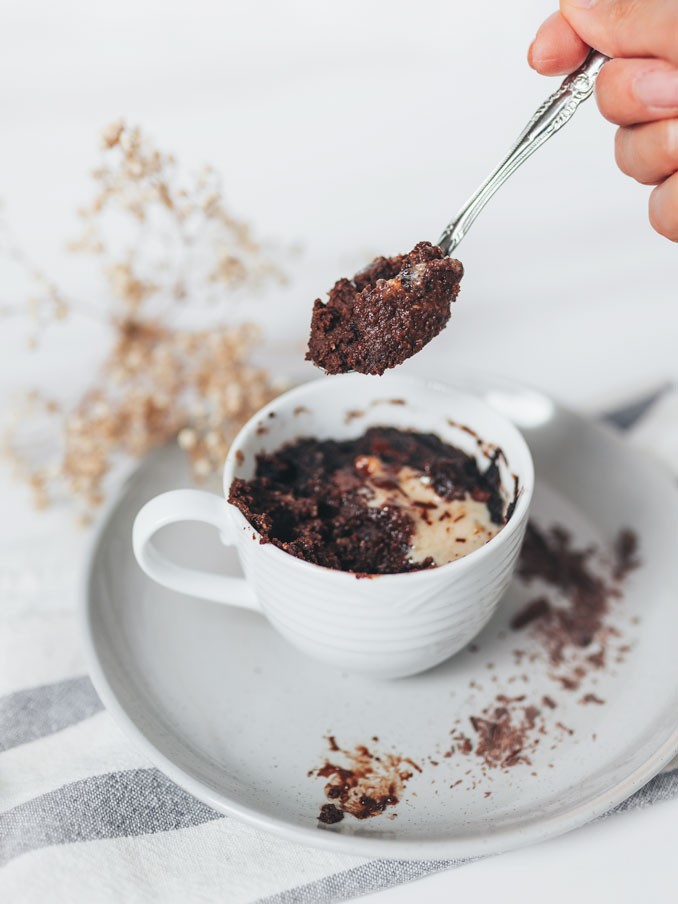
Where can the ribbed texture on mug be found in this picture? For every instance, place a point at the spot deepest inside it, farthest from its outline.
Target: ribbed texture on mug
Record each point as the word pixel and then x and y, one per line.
pixel 382 624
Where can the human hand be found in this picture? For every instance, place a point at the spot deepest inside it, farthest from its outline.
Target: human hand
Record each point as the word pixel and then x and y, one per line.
pixel 637 89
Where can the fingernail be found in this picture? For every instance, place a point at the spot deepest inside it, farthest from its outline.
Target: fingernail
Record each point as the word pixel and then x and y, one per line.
pixel 530 54
pixel 536 56
pixel 658 89
pixel 582 4
pixel 658 209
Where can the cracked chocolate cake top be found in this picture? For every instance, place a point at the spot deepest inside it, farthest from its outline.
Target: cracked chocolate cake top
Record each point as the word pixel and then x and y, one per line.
pixel 387 502
pixel 388 312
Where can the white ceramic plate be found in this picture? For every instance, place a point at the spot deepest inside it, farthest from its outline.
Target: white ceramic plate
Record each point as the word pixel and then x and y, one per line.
pixel 235 716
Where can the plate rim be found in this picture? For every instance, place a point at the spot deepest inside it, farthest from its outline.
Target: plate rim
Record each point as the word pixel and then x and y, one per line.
pixel 536 829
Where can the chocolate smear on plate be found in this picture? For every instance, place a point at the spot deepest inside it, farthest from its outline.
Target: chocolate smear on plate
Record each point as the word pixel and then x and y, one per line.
pixel 364 783
pixel 570 626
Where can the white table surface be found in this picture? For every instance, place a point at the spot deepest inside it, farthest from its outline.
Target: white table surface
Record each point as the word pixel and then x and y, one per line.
pixel 355 129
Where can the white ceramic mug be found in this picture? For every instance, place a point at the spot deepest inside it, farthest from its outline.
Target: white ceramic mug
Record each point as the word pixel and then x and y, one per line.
pixel 384 625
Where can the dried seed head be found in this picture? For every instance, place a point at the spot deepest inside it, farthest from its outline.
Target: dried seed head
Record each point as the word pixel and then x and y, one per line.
pixel 160 379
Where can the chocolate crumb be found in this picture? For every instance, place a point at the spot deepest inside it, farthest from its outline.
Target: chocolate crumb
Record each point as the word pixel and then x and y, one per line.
pixel 239 457
pixel 531 612
pixel 464 744
pixel 564 728
pixel 504 734
pixel 597 659
pixel 591 698
pixel 549 702
pixel 625 553
pixel 330 814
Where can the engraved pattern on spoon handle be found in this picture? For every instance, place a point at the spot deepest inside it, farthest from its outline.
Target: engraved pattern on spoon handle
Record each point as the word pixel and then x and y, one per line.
pixel 551 116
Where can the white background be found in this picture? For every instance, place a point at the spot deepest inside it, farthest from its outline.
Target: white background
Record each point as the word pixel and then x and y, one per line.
pixel 358 128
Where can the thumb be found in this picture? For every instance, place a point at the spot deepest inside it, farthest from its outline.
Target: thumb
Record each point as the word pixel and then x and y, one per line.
pixel 626 28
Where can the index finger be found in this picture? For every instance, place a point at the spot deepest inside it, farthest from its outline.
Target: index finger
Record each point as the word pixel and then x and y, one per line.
pixel 626 28
pixel 557 48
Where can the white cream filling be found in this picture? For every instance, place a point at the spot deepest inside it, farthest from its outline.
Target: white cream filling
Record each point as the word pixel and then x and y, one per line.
pixel 444 529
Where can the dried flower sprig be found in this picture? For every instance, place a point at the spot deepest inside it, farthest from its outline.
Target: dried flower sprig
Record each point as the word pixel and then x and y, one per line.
pixel 45 302
pixel 173 228
pixel 171 250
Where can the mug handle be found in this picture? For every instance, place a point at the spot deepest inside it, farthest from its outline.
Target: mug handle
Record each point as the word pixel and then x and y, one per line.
pixel 188 505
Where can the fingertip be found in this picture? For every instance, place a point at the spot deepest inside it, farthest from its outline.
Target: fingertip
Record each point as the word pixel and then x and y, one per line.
pixel 530 61
pixel 544 65
pixel 620 145
pixel 663 208
pixel 654 210
pixel 557 49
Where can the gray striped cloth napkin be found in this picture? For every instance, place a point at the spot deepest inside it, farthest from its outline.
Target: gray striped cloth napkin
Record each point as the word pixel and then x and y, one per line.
pixel 84 817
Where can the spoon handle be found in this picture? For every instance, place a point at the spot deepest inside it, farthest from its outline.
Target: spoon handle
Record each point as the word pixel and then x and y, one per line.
pixel 549 118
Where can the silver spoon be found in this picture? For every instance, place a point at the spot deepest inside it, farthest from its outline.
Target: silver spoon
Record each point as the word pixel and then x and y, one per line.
pixel 549 118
